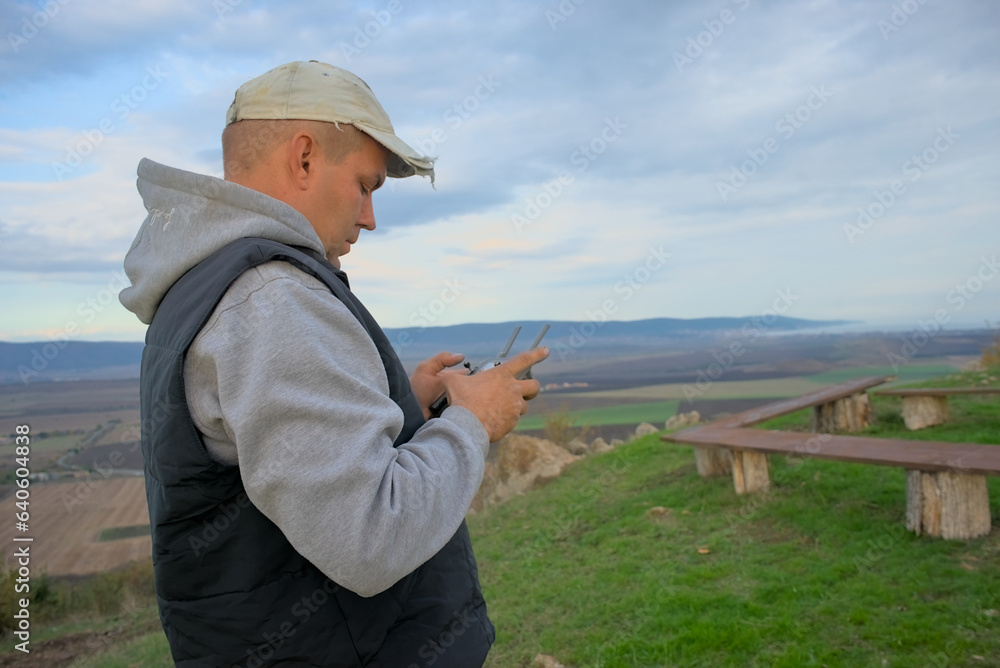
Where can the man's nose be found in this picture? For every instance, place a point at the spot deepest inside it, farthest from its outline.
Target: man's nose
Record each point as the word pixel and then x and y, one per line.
pixel 367 219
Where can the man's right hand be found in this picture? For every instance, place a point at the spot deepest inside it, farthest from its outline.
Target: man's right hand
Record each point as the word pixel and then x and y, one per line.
pixel 496 396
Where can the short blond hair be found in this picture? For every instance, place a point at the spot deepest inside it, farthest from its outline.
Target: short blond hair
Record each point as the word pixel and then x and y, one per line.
pixel 246 144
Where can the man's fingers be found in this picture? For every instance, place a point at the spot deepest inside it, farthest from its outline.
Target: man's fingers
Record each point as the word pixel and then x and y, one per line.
pixel 525 360
pixel 530 389
pixel 440 361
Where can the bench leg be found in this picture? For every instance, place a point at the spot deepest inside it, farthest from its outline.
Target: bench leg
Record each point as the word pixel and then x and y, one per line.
pixel 954 506
pixel 920 412
pixel 750 472
pixel 712 461
pixel 849 414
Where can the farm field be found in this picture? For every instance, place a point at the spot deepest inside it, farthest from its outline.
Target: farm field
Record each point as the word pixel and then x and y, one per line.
pixel 728 389
pixel 67 520
pixel 655 412
pixel 123 433
pixel 68 406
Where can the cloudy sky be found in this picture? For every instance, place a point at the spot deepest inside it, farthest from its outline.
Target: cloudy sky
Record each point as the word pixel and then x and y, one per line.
pixel 631 159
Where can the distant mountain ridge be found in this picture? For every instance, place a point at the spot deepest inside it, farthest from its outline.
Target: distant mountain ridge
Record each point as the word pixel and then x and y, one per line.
pixel 86 360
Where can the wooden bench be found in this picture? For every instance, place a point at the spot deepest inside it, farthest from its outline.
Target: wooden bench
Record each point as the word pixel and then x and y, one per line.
pixel 928 406
pixel 946 482
pixel 841 407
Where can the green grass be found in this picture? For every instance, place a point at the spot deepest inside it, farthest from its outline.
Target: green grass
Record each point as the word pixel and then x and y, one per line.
pixel 148 651
pixel 905 373
pixel 118 533
pixel 819 571
pixel 655 412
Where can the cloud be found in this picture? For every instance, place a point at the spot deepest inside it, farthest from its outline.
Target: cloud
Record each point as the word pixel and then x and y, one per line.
pixel 567 147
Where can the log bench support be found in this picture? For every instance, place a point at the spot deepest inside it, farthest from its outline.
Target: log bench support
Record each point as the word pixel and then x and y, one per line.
pixel 925 411
pixel 713 462
pixel 750 472
pixel 849 414
pixel 950 505
pixel 928 406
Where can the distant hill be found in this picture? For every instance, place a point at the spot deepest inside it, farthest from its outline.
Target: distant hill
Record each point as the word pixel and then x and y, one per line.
pixel 68 360
pixel 84 360
pixel 587 337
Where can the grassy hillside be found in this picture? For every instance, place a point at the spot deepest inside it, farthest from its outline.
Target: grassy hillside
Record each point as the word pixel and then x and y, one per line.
pixel 630 559
pixel 819 572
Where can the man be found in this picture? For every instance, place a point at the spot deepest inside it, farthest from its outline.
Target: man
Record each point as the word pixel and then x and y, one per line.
pixel 306 509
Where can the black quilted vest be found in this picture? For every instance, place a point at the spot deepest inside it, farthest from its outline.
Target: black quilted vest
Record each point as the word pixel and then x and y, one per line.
pixel 230 588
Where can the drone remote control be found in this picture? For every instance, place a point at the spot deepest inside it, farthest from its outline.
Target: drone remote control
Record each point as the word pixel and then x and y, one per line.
pixel 441 403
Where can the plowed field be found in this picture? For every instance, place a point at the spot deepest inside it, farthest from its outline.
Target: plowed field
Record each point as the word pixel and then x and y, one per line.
pixel 66 522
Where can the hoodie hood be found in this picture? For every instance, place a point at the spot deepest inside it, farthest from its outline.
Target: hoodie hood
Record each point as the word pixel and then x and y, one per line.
pixel 190 216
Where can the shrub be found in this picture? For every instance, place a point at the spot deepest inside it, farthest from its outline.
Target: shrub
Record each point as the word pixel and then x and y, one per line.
pixel 991 353
pixel 559 427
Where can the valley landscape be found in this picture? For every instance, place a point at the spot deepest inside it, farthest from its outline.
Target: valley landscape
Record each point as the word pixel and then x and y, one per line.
pixel 88 501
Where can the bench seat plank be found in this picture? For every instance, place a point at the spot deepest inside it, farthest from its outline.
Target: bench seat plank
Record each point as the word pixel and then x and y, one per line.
pixel 968 458
pixel 786 406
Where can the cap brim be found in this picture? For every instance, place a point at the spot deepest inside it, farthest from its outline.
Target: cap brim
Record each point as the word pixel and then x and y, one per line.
pixel 403 160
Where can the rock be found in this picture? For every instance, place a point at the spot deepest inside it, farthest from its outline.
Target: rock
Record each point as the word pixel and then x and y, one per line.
pixel 521 462
pixel 577 447
pixel 683 420
pixel 599 446
pixel 645 429
pixel 615 442
pixel 545 661
pixel 657 512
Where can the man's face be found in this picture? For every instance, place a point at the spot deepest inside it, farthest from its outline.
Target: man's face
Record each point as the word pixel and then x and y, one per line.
pixel 342 204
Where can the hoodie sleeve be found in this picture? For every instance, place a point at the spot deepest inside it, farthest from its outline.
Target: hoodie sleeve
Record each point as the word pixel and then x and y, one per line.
pixel 284 380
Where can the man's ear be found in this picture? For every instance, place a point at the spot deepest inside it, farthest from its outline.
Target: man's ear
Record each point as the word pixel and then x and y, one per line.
pixel 303 154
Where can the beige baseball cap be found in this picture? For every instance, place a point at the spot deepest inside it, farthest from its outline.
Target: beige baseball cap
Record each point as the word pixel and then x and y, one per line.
pixel 320 92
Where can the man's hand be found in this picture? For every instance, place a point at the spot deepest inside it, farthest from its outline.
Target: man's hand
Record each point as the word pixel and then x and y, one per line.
pixel 495 395
pixel 427 382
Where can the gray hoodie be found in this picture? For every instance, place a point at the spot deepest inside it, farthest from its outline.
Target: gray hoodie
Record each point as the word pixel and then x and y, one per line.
pixel 285 383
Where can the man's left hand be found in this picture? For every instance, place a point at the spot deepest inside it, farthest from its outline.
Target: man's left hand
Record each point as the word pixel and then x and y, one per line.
pixel 426 380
